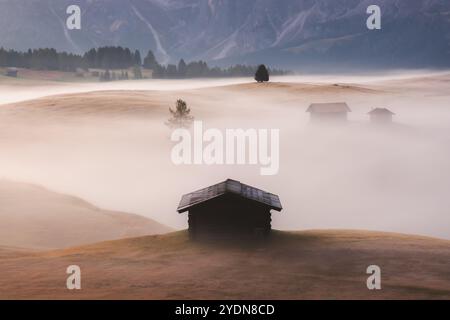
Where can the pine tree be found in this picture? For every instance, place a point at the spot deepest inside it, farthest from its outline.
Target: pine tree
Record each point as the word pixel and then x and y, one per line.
pixel 172 71
pixel 181 116
pixel 159 72
pixel 262 74
pixel 137 58
pixel 182 68
pixel 150 61
pixel 137 72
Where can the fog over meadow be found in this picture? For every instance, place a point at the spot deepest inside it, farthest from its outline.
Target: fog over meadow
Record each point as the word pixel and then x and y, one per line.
pixel 113 148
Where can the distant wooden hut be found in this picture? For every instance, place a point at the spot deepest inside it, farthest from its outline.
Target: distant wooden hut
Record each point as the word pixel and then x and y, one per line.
pixel 329 111
pixel 381 115
pixel 229 209
pixel 12 72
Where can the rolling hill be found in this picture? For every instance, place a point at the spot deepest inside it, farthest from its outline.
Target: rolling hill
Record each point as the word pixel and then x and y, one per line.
pixel 33 217
pixel 326 264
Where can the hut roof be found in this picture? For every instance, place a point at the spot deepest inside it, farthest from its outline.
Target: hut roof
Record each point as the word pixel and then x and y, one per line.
pixel 229 187
pixel 381 111
pixel 335 107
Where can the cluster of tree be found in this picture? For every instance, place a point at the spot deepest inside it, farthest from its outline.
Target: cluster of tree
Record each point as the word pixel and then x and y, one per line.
pixel 119 58
pixel 112 75
pixel 109 75
pixel 200 69
pixel 111 58
pixel 41 59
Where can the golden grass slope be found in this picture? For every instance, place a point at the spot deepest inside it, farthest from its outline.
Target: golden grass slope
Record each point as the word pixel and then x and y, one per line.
pixel 33 217
pixel 326 264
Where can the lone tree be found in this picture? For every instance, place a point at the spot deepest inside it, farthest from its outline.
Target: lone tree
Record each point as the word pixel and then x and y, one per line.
pixel 181 116
pixel 262 74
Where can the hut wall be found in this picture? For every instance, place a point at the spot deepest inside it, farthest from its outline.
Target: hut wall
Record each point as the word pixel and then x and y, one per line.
pixel 229 216
pixel 329 117
pixel 381 118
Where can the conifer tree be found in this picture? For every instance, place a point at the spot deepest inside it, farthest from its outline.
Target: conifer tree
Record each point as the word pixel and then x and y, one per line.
pixel 181 116
pixel 262 75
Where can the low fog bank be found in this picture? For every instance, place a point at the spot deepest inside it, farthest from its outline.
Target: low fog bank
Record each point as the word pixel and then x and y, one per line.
pixel 30 90
pixel 353 176
pixel 23 90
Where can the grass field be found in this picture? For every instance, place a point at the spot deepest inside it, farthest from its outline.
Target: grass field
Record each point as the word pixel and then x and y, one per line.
pixel 328 264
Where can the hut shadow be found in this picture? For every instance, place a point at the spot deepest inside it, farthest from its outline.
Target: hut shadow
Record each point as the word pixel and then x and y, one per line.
pixel 275 239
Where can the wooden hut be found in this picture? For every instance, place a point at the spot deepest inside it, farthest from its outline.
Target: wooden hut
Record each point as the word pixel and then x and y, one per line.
pixel 335 112
pixel 229 209
pixel 381 116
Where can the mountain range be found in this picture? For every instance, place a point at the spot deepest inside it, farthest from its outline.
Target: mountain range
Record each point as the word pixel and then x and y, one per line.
pixel 301 34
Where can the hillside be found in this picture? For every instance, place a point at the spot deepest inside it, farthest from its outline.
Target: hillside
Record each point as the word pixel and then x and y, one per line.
pixel 292 265
pixel 33 217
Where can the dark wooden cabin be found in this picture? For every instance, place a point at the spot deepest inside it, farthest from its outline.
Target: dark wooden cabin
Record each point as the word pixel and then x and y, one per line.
pixel 229 209
pixel 381 116
pixel 329 112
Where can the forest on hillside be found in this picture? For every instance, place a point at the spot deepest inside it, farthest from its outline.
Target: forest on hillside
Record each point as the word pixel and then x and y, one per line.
pixel 112 59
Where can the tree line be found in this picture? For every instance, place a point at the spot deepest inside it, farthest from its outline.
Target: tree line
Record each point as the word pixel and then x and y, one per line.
pixel 119 58
pixel 40 59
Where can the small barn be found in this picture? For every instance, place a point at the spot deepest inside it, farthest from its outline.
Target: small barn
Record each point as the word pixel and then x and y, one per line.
pixel 336 111
pixel 12 72
pixel 229 209
pixel 381 115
